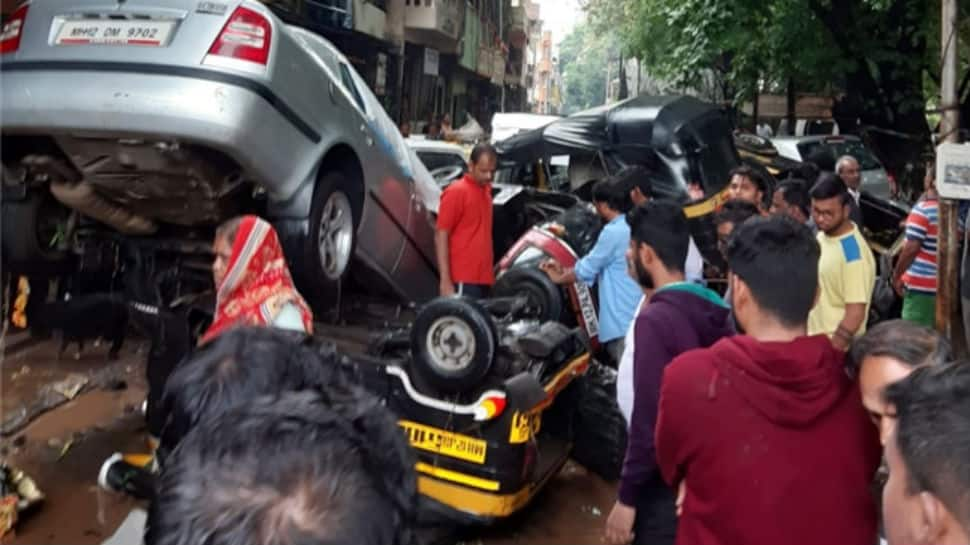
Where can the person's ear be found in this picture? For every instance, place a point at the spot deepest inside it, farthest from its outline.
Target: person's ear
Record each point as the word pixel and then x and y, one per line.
pixel 740 294
pixel 933 519
pixel 646 254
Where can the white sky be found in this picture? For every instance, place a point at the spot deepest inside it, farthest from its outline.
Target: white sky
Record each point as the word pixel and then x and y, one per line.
pixel 559 16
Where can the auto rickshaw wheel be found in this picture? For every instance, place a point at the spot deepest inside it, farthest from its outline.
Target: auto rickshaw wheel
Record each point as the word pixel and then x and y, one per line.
pixel 453 344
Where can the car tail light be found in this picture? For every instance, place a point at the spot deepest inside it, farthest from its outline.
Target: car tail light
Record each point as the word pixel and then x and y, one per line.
pixel 246 37
pixel 12 30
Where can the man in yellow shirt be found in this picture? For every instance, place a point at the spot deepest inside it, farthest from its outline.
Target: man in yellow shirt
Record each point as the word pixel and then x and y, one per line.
pixel 846 268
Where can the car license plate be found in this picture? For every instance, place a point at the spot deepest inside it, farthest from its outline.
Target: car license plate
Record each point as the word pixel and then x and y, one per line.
pixel 439 441
pixel 114 32
pixel 588 309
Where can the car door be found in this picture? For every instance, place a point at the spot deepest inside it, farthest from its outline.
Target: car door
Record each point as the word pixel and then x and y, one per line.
pixel 380 232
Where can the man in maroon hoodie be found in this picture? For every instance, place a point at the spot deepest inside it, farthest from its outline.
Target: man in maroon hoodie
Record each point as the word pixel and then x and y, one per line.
pixel 680 316
pixel 766 431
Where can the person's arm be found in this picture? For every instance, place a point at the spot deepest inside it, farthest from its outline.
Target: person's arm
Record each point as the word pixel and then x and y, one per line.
pixel 592 264
pixel 587 268
pixel 674 421
pixel 857 283
pixel 445 285
pixel 852 320
pixel 449 214
pixel 648 365
pixel 906 257
pixel 640 461
pixel 917 223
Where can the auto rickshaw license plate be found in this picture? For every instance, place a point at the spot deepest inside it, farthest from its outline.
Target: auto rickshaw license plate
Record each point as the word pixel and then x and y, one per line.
pixel 443 442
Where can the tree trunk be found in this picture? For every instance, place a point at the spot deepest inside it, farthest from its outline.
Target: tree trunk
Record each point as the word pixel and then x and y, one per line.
pixel 790 106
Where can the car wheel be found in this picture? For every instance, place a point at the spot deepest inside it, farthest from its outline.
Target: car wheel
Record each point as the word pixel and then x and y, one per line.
pixel 544 297
pixel 37 221
pixel 453 344
pixel 332 237
pixel 587 414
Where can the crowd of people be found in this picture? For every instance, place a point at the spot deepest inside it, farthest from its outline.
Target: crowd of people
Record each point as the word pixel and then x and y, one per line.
pixel 762 415
pixel 759 416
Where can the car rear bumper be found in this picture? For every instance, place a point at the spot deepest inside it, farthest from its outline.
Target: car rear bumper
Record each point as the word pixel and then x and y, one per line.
pixel 236 115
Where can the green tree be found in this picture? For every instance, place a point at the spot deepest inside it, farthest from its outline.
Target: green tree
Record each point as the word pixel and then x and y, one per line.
pixel 584 56
pixel 874 54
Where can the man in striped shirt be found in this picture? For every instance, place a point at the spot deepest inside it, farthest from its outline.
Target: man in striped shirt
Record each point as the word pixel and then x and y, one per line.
pixel 915 274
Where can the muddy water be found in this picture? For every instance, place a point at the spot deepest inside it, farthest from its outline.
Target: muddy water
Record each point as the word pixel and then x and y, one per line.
pixel 76 511
pixel 572 509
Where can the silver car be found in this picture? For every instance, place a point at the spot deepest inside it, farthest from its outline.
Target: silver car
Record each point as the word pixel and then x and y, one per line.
pixel 157 120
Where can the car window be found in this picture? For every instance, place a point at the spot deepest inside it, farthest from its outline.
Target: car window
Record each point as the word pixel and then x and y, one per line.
pixel 434 160
pixel 558 171
pixel 838 148
pixel 348 81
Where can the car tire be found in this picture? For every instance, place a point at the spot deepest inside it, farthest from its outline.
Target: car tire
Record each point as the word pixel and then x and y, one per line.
pixel 587 414
pixel 545 297
pixel 27 232
pixel 331 239
pixel 453 344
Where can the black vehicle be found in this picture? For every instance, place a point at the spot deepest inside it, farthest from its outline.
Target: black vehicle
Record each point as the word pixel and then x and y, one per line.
pixel 680 139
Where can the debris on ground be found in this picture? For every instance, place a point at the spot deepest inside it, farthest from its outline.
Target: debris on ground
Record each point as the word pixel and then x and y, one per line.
pixel 592 510
pixel 71 386
pixel 22 372
pixel 67 446
pixel 18 493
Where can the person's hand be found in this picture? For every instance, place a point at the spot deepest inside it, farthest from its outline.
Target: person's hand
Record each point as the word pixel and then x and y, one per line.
pixel 553 268
pixel 898 285
pixel 694 191
pixel 446 288
pixel 619 525
pixel 681 493
pixel 839 342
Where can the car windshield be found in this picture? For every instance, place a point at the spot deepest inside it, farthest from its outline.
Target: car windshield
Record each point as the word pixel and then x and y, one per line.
pixel 434 160
pixel 839 148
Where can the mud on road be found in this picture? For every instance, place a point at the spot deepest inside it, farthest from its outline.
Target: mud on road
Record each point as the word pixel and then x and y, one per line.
pixel 65 435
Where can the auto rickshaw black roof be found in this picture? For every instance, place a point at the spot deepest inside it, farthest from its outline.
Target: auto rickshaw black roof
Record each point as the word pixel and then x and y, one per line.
pixel 632 132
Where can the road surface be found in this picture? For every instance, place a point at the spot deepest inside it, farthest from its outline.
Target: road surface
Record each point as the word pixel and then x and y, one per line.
pixel 62 419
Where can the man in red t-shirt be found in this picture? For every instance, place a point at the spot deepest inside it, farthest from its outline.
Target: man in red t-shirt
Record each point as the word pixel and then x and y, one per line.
pixel 463 239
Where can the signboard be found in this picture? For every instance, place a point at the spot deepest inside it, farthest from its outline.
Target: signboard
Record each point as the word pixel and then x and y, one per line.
pixel 430 61
pixel 953 171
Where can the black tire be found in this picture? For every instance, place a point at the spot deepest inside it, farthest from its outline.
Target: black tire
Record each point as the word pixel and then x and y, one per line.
pixel 453 344
pixel 321 276
pixel 545 298
pixel 29 227
pixel 587 414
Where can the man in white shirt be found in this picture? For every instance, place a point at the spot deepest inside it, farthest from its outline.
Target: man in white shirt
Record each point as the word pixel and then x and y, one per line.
pixel 847 168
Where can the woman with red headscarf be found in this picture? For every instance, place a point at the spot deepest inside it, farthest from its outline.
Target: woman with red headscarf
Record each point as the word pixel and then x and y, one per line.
pixel 253 283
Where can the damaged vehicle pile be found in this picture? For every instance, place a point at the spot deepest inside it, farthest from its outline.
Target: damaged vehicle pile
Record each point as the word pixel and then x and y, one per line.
pixel 181 115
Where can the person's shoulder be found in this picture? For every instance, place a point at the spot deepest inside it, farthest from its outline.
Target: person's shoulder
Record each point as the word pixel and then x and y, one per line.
pixel 853 246
pixel 691 366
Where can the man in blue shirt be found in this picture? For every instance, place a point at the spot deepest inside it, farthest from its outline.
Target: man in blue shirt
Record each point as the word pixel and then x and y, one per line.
pixel 606 266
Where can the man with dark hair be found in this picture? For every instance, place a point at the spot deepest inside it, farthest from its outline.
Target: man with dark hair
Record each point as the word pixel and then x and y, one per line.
pixel 888 353
pixel 731 215
pixel 307 467
pixel 764 433
pixel 749 185
pixel 605 265
pixel 846 268
pixel 233 369
pixel 679 316
pixel 642 192
pixel 927 498
pixel 463 240
pixel 791 199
